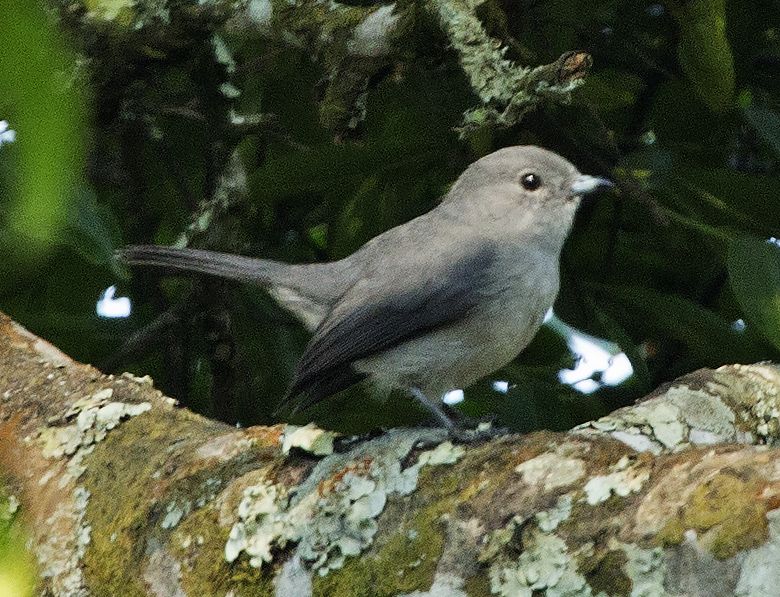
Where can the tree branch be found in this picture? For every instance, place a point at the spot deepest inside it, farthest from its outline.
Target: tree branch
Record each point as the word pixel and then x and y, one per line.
pixel 125 493
pixel 353 42
pixel 507 91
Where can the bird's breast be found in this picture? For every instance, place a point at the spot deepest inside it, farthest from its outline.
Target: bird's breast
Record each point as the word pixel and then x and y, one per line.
pixel 503 322
pixel 508 325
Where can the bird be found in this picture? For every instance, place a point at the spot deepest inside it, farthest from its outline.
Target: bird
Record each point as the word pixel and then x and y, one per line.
pixel 431 305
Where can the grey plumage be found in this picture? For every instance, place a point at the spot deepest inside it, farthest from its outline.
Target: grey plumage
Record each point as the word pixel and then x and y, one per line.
pixel 433 304
pixel 368 320
pixel 307 290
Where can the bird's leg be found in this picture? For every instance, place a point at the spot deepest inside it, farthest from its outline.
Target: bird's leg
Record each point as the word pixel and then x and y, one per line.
pixel 461 420
pixel 465 420
pixel 435 410
pixel 455 431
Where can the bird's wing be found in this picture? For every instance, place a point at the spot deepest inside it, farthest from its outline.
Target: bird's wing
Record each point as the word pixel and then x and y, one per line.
pixel 386 308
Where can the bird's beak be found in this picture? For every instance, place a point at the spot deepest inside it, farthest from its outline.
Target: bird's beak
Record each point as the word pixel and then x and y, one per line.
pixel 585 184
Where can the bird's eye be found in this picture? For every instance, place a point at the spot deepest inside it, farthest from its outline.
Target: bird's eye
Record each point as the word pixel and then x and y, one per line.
pixel 531 181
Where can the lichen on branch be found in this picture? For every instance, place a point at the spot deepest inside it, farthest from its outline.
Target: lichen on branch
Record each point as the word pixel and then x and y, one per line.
pixel 507 90
pixel 125 493
pixel 353 43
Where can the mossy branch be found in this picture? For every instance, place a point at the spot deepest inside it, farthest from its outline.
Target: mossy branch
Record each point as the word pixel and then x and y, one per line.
pixel 353 42
pixel 507 90
pixel 123 492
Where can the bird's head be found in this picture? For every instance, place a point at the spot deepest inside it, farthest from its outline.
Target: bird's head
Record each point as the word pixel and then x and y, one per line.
pixel 524 185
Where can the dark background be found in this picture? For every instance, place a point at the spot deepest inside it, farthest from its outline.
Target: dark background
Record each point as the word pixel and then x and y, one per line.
pixel 122 138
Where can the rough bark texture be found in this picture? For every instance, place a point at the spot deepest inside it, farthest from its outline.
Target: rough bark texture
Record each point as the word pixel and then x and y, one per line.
pixel 352 41
pixel 124 493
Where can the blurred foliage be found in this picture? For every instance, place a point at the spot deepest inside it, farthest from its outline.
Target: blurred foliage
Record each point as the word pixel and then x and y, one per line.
pixel 17 570
pixel 41 173
pixel 682 108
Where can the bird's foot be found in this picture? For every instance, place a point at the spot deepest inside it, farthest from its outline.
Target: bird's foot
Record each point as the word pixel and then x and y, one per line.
pixel 482 433
pixel 483 430
pixel 345 443
pixel 464 420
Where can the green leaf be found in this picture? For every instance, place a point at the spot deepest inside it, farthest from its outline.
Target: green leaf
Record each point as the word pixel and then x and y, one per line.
pixel 649 167
pixel 737 200
pixel 615 332
pixel 91 229
pixel 611 89
pixel 704 51
pixel 767 125
pixel 47 113
pixel 754 271
pixel 708 337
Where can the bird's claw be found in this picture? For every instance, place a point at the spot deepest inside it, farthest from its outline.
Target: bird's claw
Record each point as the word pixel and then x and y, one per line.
pixel 484 432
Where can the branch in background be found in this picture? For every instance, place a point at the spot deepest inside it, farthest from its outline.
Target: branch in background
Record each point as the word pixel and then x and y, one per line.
pixel 231 190
pixel 124 493
pixel 507 90
pixel 354 43
pixel 144 340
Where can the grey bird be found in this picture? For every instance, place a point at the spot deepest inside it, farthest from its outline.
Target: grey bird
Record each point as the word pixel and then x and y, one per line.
pixel 431 305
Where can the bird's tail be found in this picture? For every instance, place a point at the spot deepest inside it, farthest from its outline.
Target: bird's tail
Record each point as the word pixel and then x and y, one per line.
pixel 307 290
pixel 211 263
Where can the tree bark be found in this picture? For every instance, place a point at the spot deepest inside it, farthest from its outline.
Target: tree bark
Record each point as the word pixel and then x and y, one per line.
pixel 125 493
pixel 354 42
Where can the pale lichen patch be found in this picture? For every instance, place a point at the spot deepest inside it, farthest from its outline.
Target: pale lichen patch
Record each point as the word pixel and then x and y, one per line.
pixel 145 380
pixel 634 439
pixel 709 418
pixel 544 565
pixel 754 390
pixel 92 418
pixel 444 585
pixel 645 568
pixel 333 514
pixel 59 554
pixel 543 562
pixel 8 507
pixel 262 523
pixel 548 520
pixel 444 453
pixel 293 579
pixel 737 403
pixel 47 352
pixel 760 573
pixel 87 421
pixel 765 414
pixel 308 438
pixel 551 471
pixel 664 420
pixel 174 513
pixel 345 522
pixel 224 447
pixel 681 416
pixel 626 478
